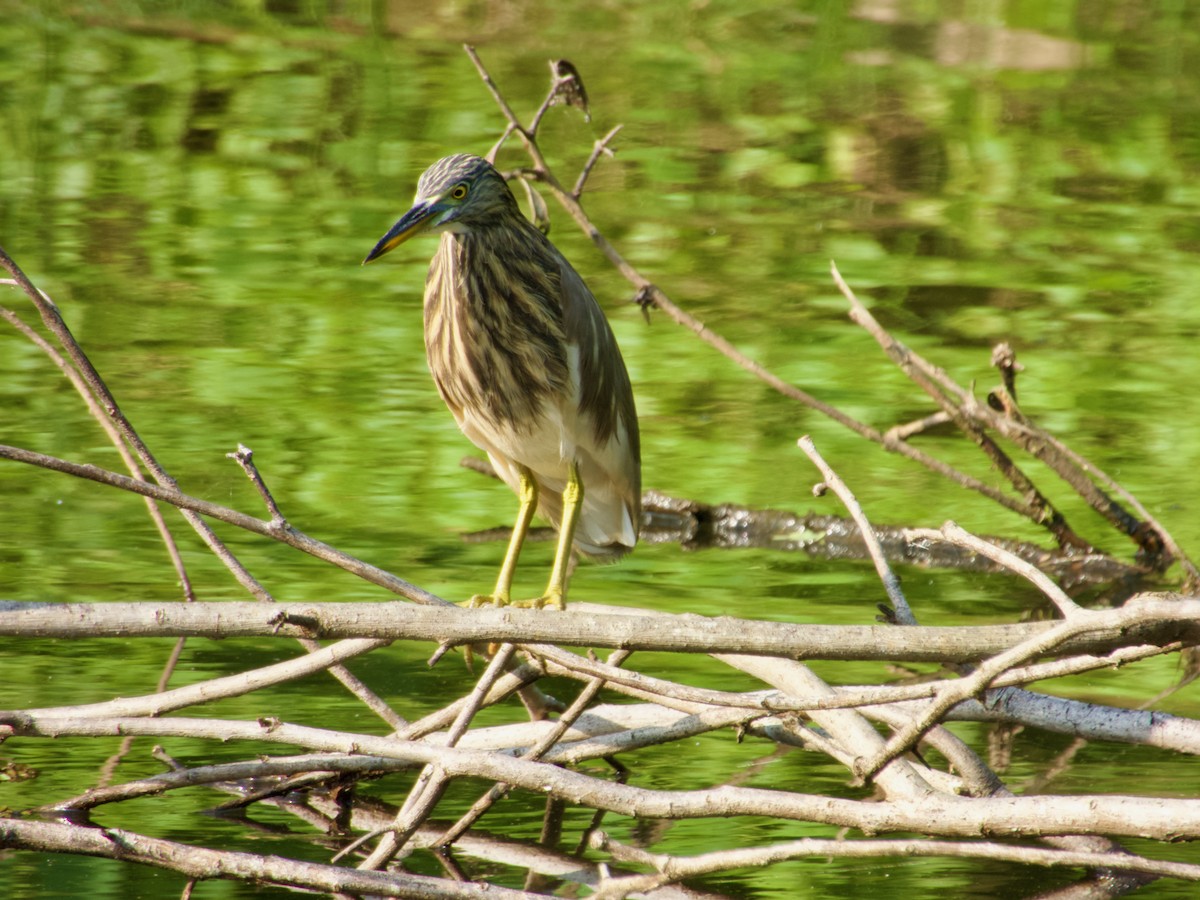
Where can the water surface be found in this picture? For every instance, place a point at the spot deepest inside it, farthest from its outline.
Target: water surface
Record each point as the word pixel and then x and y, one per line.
pixel 196 188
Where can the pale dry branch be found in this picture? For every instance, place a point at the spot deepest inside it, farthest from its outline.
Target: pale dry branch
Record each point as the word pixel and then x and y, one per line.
pixel 847 728
pixel 434 780
pixel 923 811
pixel 952 532
pixel 202 863
pixel 537 751
pixel 214 689
pixel 1152 620
pixel 1093 721
pixel 891 584
pixel 974 684
pixel 675 868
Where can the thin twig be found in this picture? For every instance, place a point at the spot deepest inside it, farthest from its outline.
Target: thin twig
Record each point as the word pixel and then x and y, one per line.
pixel 175 497
pixel 950 531
pixel 974 684
pixel 675 868
pixel 1045 446
pixel 566 720
pixel 651 293
pixel 536 121
pixel 114 436
pixel 916 427
pixel 599 148
pixel 224 687
pixel 55 323
pixel 244 457
pixel 433 780
pixel 891 584
pixel 505 686
pixel 953 401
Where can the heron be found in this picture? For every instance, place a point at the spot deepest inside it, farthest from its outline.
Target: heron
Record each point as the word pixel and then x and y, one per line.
pixel 528 365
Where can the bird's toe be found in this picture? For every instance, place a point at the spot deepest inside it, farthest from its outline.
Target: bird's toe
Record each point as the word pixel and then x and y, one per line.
pixel 479 600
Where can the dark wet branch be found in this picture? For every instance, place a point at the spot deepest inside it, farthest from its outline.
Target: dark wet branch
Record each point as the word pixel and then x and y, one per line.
pixel 696 525
pixel 1156 547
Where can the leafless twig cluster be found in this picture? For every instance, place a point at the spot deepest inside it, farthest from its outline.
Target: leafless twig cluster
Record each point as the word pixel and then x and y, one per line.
pixel 890 737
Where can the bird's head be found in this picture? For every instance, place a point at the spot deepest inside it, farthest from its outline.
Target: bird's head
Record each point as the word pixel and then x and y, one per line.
pixel 457 193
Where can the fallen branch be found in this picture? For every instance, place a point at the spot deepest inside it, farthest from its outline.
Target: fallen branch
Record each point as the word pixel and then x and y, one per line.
pixel 1149 620
pixel 202 863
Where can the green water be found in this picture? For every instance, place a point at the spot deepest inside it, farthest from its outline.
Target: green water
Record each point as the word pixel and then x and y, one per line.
pixel 196 185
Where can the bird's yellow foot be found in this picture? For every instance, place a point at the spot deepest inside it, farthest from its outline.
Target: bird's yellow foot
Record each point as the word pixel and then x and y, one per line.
pixel 478 600
pixel 551 599
pixel 499 601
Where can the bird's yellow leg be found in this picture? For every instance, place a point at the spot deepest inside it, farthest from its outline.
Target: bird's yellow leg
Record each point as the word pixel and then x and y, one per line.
pixel 502 595
pixel 556 589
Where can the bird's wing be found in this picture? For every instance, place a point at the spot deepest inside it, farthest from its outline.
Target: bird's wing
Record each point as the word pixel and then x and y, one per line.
pixel 608 427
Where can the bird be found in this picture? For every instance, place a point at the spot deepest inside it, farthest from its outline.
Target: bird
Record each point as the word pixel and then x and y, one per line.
pixel 527 363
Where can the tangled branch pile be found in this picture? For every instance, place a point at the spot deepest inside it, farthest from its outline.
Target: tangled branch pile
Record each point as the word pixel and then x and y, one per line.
pixel 928 781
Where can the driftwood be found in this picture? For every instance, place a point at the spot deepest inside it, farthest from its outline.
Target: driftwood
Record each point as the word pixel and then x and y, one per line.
pixel 695 525
pixel 881 733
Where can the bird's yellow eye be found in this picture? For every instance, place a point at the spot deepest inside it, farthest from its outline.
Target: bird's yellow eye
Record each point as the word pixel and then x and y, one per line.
pixel 459 191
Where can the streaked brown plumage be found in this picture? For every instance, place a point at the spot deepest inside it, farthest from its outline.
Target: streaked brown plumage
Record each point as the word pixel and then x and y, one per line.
pixel 525 360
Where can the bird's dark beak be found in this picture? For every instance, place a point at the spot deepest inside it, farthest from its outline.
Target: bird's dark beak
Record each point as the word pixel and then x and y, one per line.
pixel 409 224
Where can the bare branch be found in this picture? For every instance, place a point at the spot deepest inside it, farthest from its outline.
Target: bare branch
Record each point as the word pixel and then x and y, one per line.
pixel 537 751
pixel 1157 818
pixel 973 684
pixel 200 862
pixel 952 532
pixel 953 399
pixel 175 497
pixel 599 148
pixel 1154 619
pixel 891 583
pixel 674 868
